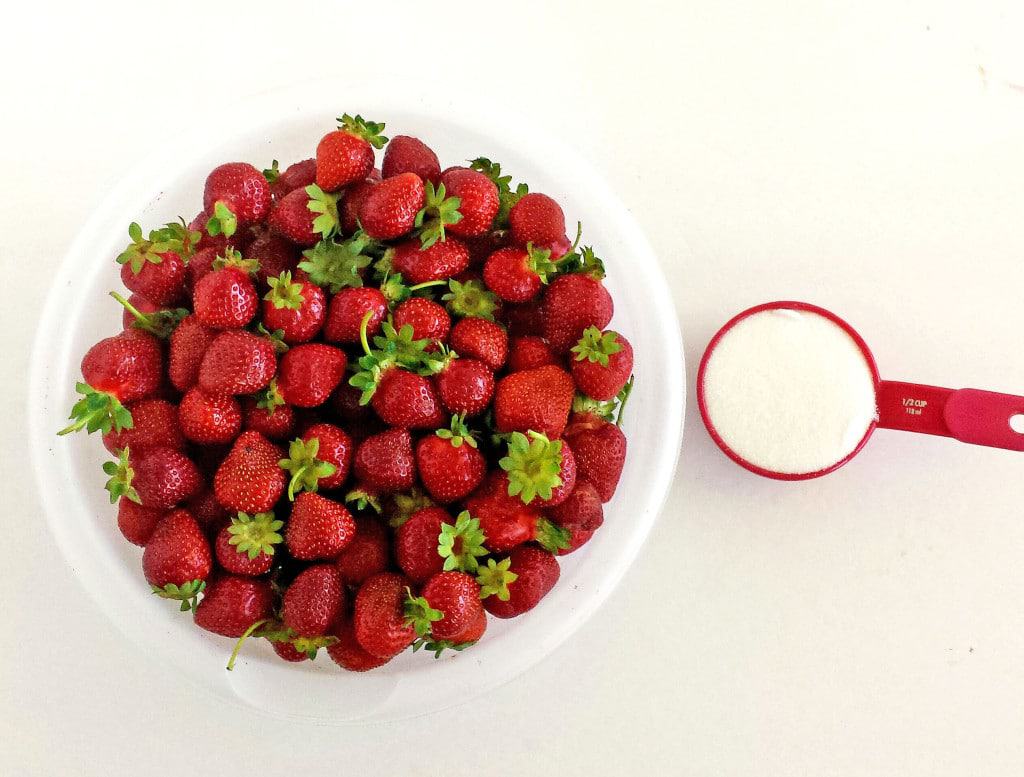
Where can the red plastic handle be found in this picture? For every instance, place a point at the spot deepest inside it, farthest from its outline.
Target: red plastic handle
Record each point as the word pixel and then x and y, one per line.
pixel 969 415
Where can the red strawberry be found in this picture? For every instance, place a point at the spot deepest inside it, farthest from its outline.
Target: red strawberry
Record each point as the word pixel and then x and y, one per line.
pixel 313 601
pixel 176 556
pixel 144 306
pixel 292 219
pixel 225 298
pixel 237 363
pixel 407 400
pixel 602 363
pixel 518 274
pixel 346 154
pixel 345 403
pixel 465 386
pixel 189 342
pixel 249 479
pixel 441 260
pixel 428 319
pixel 348 653
pixel 478 200
pixel 529 352
pixel 416 543
pixel 577 539
pixel 536 219
pixel 537 400
pixel 159 278
pixel 379 617
pixel 309 373
pixel 242 189
pixel 385 461
pixel 525 319
pixel 274 255
pixel 346 312
pixel 539 469
pixel 154 425
pixel 246 545
pixel 318 527
pixel 201 265
pixel 335 447
pixel 233 603
pixel 506 522
pixel 536 573
pixel 209 419
pixel 297 308
pixel 478 338
pixel 367 554
pixel 136 522
pixel 390 207
pixel 405 154
pixel 573 303
pixel 457 596
pixel 472 632
pixel 273 421
pixel 218 219
pixel 287 651
pixel 581 510
pixel 351 205
pixel 164 478
pixel 297 175
pixel 210 514
pixel 116 370
pixel 600 449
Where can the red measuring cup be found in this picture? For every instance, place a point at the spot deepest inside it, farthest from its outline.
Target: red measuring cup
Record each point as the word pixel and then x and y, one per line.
pixel 970 415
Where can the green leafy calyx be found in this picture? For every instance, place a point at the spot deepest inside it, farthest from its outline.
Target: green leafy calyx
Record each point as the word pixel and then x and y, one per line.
pixel 255 534
pixel 470 298
pixel 325 206
pixel 160 323
pixel 419 614
pixel 303 465
pixel 462 543
pixel 405 504
pixel 272 173
pixel 437 213
pixel 507 197
pixel 121 476
pixel 533 464
pixel 284 293
pixel 595 346
pixel 171 238
pixel 457 433
pixel 186 593
pixel 438 646
pixel 363 499
pixel 222 222
pixel 362 128
pixel 551 536
pixel 337 265
pixel 270 398
pixel 97 411
pixel 495 578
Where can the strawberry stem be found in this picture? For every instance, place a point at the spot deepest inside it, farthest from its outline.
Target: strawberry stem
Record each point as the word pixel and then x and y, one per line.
pixel 428 284
pixel 241 640
pixel 362 332
pixel 623 397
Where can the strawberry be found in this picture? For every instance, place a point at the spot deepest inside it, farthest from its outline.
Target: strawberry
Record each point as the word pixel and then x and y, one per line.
pixel 573 303
pixel 478 200
pixel 145 307
pixel 314 600
pixel 379 618
pixel 528 352
pixel 218 219
pixel 232 604
pixel 154 425
pixel 600 449
pixel 602 363
pixel 389 209
pixel 246 545
pixel 304 469
pixel 536 219
pixel 536 572
pixel 352 204
pixel 467 296
pixel 319 528
pixel 161 477
pixel 237 363
pixel 201 265
pixel 273 255
pixel 525 319
pixel 249 478
pixel 457 596
pixel 539 469
pixel 274 420
pixel 416 543
pixel 406 400
pixel 210 514
pixel 367 554
pixel 345 403
pixel 209 419
pixel 537 400
pixel 506 522
pixel 582 510
pixel 137 523
pixel 154 268
pixel 189 342
pixel 465 386
pixel 405 154
pixel 478 338
pixel 385 461
pixel 441 260
pixel 309 373
pixel 335 447
pixel 428 319
pixel 297 308
pixel 348 653
pixel 346 154
pixel 347 310
pixel 116 370
pixel 226 298
pixel 177 559
pixel 241 191
pixel 577 539
pixel 297 175
pixel 518 274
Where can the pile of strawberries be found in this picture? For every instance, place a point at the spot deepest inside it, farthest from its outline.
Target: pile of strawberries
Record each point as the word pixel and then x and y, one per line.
pixel 359 409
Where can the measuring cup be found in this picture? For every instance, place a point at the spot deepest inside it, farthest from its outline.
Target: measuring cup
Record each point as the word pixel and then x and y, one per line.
pixel 970 415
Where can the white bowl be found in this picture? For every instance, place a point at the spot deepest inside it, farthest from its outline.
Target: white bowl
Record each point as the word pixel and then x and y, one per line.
pixel 286 126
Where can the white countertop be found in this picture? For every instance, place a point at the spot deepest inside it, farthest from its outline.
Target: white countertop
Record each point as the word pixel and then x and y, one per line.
pixel 868 160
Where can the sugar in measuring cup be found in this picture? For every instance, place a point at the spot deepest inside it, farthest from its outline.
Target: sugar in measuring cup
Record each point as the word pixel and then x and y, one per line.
pixel 790 391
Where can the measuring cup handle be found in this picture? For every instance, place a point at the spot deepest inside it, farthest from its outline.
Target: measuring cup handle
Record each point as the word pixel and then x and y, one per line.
pixel 969 415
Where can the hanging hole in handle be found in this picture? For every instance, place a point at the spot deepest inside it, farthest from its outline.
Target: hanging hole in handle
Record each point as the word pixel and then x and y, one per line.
pixel 1017 423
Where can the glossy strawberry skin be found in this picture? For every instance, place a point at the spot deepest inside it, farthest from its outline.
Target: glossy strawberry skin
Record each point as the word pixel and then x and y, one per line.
pixel 457 595
pixel 342 158
pixel 537 572
pixel 449 473
pixel 473 630
pixel 378 617
pixel 367 554
pixel 567 473
pixel 529 352
pixel 237 363
pixel 177 552
pixel 238 562
pixel 154 425
pixel 308 373
pixel 352 203
pixel 313 601
pixel 428 319
pixel 297 175
pixel 582 509
pixel 249 479
pixel 444 259
pixel 408 401
pixel 318 528
pixel 577 539
pixel 571 304
pixel 507 274
pixel 524 319
pixel 406 154
pixel 346 311
pixel 161 283
pixel 600 449
pixel 335 447
pixel 209 419
pixel 210 514
pixel 348 653
pixel 478 338
pixel 416 543
pixel 504 519
pixel 233 603
pixel 292 219
pixel 128 366
pixel 537 400
pixel 385 461
pixel 165 477
pixel 603 382
pixel 466 386
pixel 201 264
pixel 302 324
pixel 536 219
pixel 188 345
pixel 276 425
pixel 479 198
pixel 225 299
pixel 242 188
pixel 274 254
pixel 390 208
pixel 137 523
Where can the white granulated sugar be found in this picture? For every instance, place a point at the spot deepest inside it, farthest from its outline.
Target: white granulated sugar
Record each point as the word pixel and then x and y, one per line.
pixel 789 391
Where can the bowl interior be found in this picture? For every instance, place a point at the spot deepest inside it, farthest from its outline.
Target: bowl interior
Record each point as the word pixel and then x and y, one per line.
pixel 286 126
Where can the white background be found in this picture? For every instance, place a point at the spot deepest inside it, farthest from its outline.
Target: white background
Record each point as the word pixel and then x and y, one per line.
pixel 867 156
